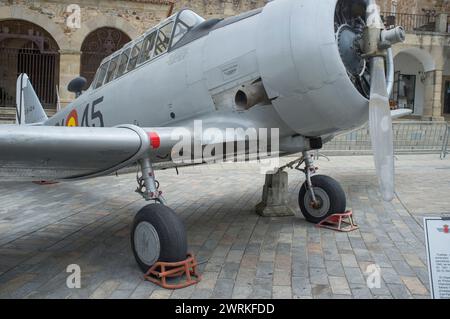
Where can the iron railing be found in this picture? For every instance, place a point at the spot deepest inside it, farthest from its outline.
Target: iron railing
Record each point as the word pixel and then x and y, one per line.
pixel 410 22
pixel 409 137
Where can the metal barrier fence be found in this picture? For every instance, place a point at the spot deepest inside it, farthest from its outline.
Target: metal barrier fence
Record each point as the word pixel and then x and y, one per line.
pixel 446 144
pixel 409 137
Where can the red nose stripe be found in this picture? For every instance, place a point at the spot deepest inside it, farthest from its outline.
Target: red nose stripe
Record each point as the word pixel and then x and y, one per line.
pixel 155 140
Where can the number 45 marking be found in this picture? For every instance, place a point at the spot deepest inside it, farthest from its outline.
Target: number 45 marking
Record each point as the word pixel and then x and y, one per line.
pixel 92 115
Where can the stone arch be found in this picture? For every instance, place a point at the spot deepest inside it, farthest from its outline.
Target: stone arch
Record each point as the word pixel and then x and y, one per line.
pixel 97 45
pixel 26 47
pixel 16 12
pixel 424 57
pixel 415 73
pixel 101 21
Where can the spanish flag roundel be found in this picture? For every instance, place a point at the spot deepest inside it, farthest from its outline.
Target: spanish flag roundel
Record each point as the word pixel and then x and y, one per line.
pixel 72 119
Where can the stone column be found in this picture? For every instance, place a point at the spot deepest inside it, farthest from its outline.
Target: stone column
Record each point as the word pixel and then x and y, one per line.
pixel 69 68
pixel 433 96
pixel 429 89
pixel 437 96
pixel 441 23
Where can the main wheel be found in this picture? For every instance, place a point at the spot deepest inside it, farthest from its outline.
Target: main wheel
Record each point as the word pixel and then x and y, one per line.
pixel 158 234
pixel 329 194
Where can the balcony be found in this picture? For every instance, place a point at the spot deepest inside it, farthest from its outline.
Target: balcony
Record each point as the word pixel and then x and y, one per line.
pixel 414 23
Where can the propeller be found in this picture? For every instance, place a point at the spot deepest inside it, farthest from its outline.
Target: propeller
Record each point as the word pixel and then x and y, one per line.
pixel 380 124
pixel 377 41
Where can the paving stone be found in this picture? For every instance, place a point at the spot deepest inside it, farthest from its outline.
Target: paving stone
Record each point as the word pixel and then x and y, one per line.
pixel 354 275
pixel 361 291
pixel 229 270
pixel 282 278
pixel 339 285
pixel 399 291
pixel 390 276
pixel 281 292
pixel 318 276
pixel 265 270
pixel 321 291
pixel 242 292
pixel 349 260
pixel 201 293
pixel 161 294
pixel 414 285
pixel 334 268
pixel 223 288
pixel 105 290
pixel 301 286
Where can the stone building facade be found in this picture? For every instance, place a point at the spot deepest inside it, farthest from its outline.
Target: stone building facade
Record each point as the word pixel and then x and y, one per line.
pixel 71 40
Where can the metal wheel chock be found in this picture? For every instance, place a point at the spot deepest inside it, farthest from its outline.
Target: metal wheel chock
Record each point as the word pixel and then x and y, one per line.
pixel 340 222
pixel 161 271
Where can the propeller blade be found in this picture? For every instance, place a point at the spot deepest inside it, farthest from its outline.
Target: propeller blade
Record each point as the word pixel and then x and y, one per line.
pixel 381 129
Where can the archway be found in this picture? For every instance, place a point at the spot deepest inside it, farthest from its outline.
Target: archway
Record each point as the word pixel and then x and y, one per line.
pixel 98 45
pixel 28 48
pixel 414 69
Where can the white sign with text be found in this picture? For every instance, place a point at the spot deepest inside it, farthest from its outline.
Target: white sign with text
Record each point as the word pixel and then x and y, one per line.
pixel 437 236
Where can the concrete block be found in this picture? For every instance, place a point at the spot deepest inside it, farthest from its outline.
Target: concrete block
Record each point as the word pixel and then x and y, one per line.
pixel 275 201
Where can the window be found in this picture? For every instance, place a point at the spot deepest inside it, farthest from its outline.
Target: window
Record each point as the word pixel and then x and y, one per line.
pixel 112 69
pixel 163 41
pixel 180 30
pixel 186 21
pixel 147 48
pixel 101 73
pixel 121 69
pixel 134 56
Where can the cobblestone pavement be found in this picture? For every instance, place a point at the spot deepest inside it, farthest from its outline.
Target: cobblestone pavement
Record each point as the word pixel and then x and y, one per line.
pixel 43 229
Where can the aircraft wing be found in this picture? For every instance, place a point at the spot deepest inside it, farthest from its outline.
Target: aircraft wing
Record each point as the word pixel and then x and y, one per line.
pixel 60 153
pixel 54 153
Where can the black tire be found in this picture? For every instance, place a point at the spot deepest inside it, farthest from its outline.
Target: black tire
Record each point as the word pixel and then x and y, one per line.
pixel 334 201
pixel 171 234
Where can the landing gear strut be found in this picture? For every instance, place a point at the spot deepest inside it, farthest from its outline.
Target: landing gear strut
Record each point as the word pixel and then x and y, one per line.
pixel 320 196
pixel 158 234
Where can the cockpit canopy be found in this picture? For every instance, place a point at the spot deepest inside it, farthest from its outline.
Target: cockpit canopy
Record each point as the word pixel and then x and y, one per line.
pixel 152 44
pixel 187 20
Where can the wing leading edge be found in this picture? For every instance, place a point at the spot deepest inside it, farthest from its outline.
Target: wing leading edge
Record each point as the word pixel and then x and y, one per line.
pixel 61 153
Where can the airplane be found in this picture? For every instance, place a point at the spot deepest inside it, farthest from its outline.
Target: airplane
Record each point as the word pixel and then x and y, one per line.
pixel 308 70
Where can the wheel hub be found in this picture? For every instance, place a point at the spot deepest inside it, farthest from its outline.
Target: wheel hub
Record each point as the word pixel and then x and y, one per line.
pixel 147 243
pixel 317 204
pixel 322 205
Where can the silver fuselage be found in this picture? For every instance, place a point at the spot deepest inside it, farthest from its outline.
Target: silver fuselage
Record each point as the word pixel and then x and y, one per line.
pixel 289 44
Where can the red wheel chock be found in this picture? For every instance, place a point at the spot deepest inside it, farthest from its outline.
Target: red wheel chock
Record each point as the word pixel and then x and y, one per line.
pixel 339 222
pixel 160 271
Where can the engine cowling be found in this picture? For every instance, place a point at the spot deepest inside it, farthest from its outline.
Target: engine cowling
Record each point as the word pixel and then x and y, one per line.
pixel 302 68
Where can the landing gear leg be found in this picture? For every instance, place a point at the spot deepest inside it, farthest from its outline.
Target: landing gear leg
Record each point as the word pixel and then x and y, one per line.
pixel 158 234
pixel 320 196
